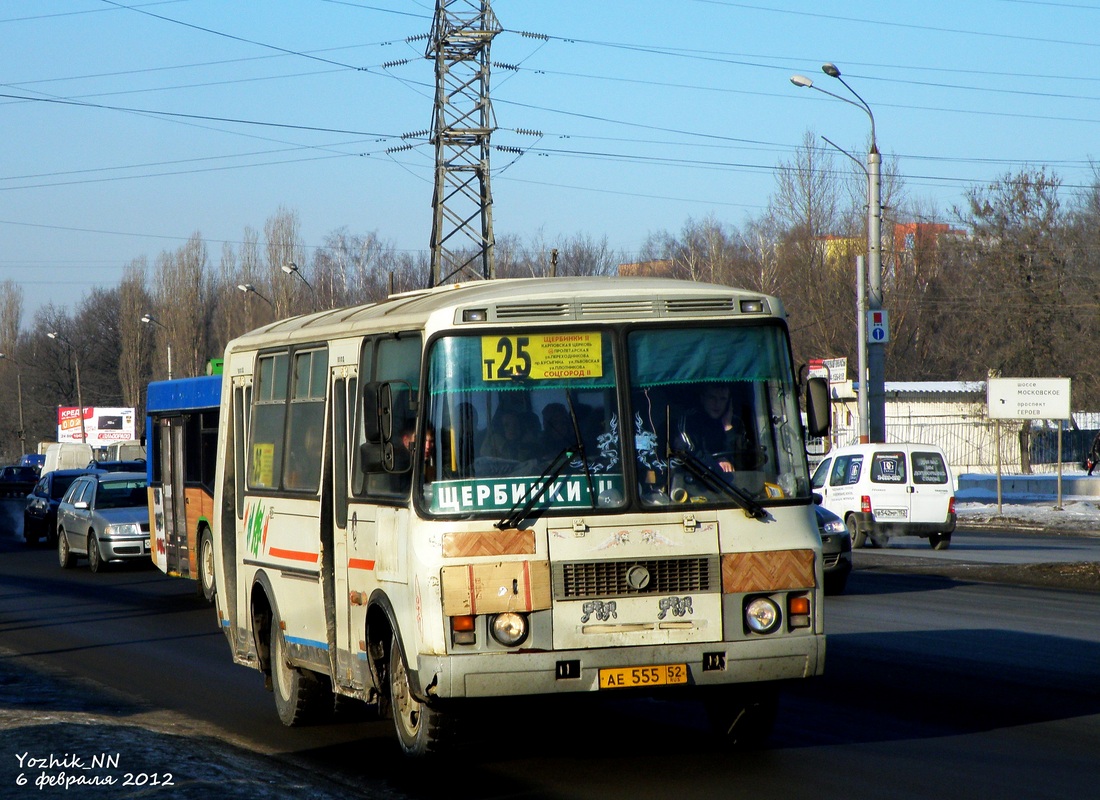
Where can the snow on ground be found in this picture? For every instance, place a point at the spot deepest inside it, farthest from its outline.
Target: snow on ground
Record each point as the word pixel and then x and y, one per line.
pixel 1077 512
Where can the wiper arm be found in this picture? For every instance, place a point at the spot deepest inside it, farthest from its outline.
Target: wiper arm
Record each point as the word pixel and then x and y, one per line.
pixel 713 479
pixel 517 514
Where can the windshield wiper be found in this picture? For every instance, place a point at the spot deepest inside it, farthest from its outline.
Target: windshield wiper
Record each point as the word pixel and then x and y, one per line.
pixel 712 479
pixel 517 514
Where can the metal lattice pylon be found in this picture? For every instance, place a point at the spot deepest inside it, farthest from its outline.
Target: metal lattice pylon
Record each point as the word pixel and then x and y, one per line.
pixel 462 123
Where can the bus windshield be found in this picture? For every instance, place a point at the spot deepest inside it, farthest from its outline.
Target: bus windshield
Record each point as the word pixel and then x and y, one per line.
pixel 505 409
pixel 713 413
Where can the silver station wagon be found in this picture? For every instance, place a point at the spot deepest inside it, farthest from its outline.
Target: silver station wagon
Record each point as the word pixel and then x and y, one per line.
pixel 104 517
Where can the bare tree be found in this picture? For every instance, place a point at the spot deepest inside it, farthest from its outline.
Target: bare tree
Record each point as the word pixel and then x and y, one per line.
pixel 135 340
pixel 181 299
pixel 284 248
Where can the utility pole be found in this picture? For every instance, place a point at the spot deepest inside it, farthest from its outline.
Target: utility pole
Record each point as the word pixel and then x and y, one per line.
pixel 462 123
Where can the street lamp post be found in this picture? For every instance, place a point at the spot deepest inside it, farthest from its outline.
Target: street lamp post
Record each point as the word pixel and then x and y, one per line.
pixel 875 353
pixel 19 394
pixel 248 288
pixel 293 269
pixel 79 395
pixel 149 319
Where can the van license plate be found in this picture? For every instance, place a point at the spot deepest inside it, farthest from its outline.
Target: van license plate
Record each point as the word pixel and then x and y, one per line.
pixel 891 513
pixel 634 677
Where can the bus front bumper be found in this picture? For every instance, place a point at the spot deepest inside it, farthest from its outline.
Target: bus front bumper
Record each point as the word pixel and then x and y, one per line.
pixel 708 664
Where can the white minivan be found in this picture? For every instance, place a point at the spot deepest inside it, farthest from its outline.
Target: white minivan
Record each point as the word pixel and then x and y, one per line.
pixel 895 489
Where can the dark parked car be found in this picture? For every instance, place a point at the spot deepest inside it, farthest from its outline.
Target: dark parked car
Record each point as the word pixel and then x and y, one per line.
pixel 40 511
pixel 104 516
pixel 836 549
pixel 16 481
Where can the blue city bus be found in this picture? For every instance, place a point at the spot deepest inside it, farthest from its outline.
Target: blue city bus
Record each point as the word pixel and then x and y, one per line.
pixel 181 428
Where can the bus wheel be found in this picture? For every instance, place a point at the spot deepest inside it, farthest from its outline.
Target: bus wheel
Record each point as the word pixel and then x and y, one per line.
pixel 206 566
pixel 743 717
pixel 420 727
pixel 298 693
pixel 858 536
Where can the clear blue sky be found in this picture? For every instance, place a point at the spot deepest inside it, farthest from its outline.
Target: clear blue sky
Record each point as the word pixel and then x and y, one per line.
pixel 151 122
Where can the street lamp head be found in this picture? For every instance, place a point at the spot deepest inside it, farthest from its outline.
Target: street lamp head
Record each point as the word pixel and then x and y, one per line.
pixel 146 318
pixel 290 268
pixel 246 287
pixel 52 334
pixel 802 80
pixel 830 69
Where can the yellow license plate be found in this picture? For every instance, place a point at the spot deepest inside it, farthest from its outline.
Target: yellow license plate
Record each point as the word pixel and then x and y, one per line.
pixel 636 677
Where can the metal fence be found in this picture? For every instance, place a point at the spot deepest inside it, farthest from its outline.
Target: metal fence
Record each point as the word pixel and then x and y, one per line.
pixel 971 443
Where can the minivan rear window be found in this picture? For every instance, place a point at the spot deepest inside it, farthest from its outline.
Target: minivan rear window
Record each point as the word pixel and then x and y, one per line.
pixel 888 468
pixel 929 468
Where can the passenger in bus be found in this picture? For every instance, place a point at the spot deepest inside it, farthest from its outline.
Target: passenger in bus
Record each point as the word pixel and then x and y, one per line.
pixel 514 436
pixel 712 431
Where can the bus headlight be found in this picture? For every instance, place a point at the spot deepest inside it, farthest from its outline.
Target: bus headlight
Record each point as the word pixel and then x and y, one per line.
pixel 762 615
pixel 509 628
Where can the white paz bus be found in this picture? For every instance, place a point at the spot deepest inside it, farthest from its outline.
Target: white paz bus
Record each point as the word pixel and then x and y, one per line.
pixel 521 487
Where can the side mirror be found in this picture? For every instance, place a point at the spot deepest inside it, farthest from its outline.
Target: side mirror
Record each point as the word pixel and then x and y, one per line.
pixel 372 431
pixel 818 412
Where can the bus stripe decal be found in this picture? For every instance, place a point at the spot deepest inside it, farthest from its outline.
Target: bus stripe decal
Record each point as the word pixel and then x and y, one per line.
pixel 527 584
pixel 360 563
pixel 293 555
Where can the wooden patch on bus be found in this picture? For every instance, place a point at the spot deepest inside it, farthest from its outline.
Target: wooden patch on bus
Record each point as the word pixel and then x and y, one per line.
pixel 488 543
pixel 768 571
pixel 495 588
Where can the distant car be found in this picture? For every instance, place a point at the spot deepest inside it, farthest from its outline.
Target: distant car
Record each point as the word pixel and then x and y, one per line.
pixel 104 516
pixel 35 460
pixel 836 549
pixel 16 481
pixel 40 511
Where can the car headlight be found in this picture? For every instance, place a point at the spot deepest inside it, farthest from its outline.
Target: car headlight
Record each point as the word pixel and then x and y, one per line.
pixel 835 526
pixel 762 615
pixel 509 628
pixel 125 529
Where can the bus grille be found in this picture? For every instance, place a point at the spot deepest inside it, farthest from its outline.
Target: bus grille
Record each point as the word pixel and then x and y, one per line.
pixel 534 311
pixel 612 578
pixel 702 305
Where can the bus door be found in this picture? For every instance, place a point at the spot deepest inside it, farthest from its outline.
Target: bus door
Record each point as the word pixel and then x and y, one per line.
pixel 172 432
pixel 352 556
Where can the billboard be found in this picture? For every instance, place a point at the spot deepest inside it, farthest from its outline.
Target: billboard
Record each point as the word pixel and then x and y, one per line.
pixel 102 426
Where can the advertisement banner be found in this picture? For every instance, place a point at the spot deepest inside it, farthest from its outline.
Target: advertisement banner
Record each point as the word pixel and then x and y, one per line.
pixel 102 426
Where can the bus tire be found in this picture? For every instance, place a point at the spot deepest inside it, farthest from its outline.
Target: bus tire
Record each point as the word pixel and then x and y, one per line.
pixel 298 693
pixel 421 728
pixel 206 589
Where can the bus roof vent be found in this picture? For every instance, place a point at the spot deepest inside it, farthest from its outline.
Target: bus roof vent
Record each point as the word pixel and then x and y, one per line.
pixel 534 311
pixel 638 307
pixel 701 305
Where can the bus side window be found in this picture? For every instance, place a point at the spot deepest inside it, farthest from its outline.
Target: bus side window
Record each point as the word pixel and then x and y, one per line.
pixel 305 432
pixel 268 422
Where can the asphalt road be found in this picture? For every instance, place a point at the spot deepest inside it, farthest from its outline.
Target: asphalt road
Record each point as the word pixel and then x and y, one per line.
pixel 934 687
